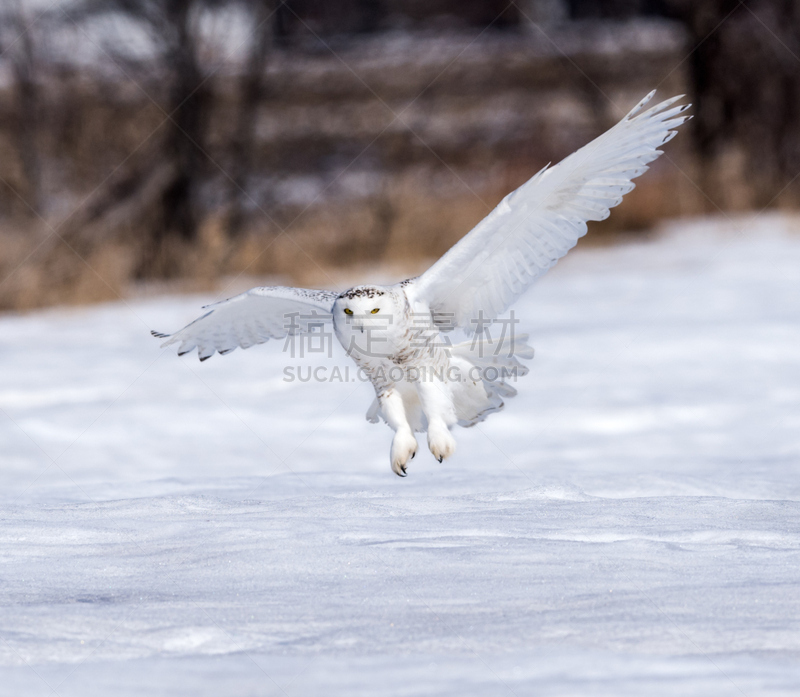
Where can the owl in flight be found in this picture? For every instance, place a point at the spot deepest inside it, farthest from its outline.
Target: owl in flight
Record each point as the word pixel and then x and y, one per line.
pixel 398 334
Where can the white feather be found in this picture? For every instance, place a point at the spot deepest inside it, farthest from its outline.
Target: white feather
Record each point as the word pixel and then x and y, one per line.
pixel 536 225
pixel 473 283
pixel 252 318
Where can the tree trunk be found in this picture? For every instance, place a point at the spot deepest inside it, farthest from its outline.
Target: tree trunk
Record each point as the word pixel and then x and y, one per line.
pixel 184 147
pixel 27 96
pixel 746 91
pixel 251 95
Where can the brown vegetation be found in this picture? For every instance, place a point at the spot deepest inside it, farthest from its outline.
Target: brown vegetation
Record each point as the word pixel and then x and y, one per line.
pixel 312 155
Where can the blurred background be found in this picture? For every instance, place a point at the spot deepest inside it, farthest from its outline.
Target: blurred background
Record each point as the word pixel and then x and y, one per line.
pixel 178 143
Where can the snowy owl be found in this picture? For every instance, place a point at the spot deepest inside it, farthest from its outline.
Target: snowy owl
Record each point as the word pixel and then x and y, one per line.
pixel 397 334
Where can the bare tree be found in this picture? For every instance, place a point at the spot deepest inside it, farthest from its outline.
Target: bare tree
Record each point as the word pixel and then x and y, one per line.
pixel 186 100
pixel 746 85
pixel 187 104
pixel 20 50
pixel 251 95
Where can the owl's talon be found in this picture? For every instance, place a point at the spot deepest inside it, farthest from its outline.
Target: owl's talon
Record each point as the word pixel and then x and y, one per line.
pixel 404 447
pixel 440 441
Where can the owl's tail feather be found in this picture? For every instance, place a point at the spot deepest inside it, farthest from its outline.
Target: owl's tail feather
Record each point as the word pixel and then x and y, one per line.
pixel 479 385
pixel 498 364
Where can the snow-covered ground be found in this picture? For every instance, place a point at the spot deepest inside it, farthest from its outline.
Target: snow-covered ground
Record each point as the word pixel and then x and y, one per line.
pixel 629 525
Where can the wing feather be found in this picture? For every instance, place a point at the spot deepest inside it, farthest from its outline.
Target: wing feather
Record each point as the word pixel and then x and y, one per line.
pixel 534 226
pixel 252 318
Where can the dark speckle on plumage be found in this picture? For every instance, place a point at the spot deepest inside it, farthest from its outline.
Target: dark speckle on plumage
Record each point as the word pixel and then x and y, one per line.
pixel 362 292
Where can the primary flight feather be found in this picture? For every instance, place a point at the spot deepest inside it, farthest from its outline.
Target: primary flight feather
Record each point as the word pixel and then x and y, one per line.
pixel 424 383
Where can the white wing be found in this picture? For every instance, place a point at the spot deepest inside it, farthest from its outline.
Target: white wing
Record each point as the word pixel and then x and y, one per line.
pixel 252 318
pixel 536 225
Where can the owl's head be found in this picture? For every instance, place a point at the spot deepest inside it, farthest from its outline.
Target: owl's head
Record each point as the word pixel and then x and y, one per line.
pixel 362 306
pixel 365 314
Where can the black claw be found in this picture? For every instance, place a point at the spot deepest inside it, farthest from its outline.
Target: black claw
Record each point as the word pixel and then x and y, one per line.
pixel 413 455
pixel 441 457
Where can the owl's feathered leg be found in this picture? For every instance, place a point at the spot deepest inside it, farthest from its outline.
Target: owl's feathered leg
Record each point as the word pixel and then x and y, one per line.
pixel 404 444
pixel 437 404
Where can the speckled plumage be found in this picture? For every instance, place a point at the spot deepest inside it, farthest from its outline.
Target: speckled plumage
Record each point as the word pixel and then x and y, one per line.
pixel 362 292
pixel 397 334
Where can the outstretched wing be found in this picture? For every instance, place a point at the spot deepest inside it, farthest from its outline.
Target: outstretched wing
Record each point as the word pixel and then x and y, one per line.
pixel 252 318
pixel 534 226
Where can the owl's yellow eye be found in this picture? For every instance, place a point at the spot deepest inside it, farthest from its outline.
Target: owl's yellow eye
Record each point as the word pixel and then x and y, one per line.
pixel 376 310
pixel 348 311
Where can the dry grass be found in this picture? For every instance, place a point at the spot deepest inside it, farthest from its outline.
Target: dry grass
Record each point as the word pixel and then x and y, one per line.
pixel 385 238
pixel 495 137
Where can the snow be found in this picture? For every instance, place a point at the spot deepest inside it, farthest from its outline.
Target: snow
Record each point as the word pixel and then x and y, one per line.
pixel 628 525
